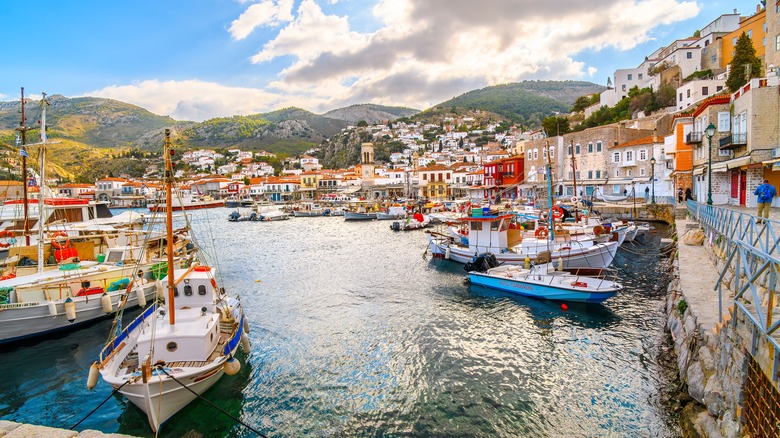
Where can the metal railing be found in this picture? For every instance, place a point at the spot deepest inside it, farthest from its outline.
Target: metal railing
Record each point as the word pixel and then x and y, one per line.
pixel 693 137
pixel 750 252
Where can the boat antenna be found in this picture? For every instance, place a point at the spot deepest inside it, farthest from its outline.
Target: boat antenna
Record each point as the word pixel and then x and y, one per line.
pixel 574 178
pixel 168 152
pixel 548 173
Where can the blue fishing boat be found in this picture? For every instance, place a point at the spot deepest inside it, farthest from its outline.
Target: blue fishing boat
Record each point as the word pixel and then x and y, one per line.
pixel 542 281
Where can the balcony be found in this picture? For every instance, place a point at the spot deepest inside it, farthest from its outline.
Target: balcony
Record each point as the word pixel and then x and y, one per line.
pixel 693 137
pixel 734 140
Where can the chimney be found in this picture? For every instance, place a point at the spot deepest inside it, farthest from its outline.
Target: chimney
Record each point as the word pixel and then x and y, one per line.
pixel 655 134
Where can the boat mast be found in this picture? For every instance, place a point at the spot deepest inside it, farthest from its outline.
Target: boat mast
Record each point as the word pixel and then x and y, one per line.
pixel 167 151
pixel 23 133
pixel 548 173
pixel 574 177
pixel 41 185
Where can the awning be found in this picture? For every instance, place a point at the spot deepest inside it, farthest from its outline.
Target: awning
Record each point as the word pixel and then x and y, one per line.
pixel 720 167
pixel 351 189
pixel 620 181
pixel 641 180
pixel 738 162
pixel 772 161
pixel 699 171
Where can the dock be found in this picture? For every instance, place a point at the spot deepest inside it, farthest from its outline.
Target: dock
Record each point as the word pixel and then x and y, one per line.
pixel 10 429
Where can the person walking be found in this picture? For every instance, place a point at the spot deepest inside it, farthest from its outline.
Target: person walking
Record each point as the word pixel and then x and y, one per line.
pixel 679 195
pixel 647 194
pixel 688 194
pixel 765 193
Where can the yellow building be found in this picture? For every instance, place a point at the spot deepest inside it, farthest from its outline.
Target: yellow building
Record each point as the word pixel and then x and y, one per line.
pixel 755 27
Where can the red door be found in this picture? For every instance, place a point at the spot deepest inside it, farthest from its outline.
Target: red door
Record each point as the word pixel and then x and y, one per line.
pixel 742 187
pixel 734 184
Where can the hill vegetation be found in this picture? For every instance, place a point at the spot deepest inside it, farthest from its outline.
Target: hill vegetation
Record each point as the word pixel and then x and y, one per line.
pixel 370 113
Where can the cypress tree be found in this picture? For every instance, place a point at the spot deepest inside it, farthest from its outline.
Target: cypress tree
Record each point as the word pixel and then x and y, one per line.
pixel 744 65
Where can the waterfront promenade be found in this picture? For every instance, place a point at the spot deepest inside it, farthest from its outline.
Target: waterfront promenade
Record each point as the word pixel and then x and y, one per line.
pixel 724 344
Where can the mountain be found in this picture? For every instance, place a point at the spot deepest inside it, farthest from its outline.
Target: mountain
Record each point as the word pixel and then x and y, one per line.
pixel 526 103
pixel 90 120
pixel 370 113
pixel 289 130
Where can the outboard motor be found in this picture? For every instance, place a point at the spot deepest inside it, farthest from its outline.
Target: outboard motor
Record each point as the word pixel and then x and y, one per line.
pixel 395 226
pixel 234 216
pixel 481 263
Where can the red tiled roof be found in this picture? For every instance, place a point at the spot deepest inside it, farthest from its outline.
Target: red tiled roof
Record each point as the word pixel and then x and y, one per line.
pixel 639 141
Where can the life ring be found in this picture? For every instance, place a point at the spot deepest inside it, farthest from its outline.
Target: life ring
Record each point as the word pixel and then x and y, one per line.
pixel 56 244
pixel 541 232
pixel 557 212
pixel 9 238
pixel 598 230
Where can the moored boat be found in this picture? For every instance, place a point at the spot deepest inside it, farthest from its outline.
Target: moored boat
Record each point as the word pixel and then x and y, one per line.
pixel 175 351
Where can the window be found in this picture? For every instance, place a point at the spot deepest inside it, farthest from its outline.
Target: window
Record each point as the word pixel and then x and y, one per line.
pixel 623 87
pixel 629 156
pixel 688 93
pixel 598 146
pixel 642 154
pixel 630 76
pixel 777 43
pixel 723 122
pixel 617 172
pixel 718 88
pixel 590 174
pixel 639 76
pixel 750 34
pixel 536 154
pixel 705 91
pixel 425 177
pixel 628 172
pixel 552 152
pixel 529 154
pixel 568 150
pixel 544 152
pixel 598 174
pixel 680 99
pixel 642 172
pixel 763 41
pixel 590 148
pixel 616 157
pixel 577 149
pixel 734 41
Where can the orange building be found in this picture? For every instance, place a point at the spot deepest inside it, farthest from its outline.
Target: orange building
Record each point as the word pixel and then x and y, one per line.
pixel 755 27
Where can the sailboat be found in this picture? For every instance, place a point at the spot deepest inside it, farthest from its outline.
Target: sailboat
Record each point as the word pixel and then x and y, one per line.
pixel 176 350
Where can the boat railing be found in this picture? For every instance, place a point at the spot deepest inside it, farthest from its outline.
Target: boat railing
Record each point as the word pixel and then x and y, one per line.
pixel 114 343
pixel 748 257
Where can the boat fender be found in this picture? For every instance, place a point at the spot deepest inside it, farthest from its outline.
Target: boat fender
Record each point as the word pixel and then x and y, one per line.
pixel 246 325
pixel 527 262
pixel 245 343
pixel 447 253
pixel 92 378
pixel 160 294
pixel 232 366
pixel 70 309
pixel 560 263
pixel 52 308
pixel 140 295
pixel 105 303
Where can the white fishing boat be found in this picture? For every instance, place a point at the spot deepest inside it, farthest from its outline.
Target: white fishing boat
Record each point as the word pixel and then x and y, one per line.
pixel 393 212
pixel 541 280
pixel 185 200
pixel 175 351
pixel 308 209
pixel 270 212
pixel 493 234
pixel 416 222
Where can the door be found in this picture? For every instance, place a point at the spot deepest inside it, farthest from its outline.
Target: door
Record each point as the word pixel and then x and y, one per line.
pixel 735 184
pixel 742 187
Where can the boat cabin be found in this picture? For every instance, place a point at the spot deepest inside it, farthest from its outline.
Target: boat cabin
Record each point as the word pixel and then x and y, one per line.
pixel 489 233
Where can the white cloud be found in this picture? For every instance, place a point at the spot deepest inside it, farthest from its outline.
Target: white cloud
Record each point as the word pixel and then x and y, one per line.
pixel 461 45
pixel 198 100
pixel 267 12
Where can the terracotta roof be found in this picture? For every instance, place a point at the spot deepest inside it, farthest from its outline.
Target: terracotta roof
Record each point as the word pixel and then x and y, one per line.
pixel 714 100
pixel 435 167
pixel 639 141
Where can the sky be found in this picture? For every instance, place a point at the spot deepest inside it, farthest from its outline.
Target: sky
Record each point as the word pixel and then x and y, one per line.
pixel 198 59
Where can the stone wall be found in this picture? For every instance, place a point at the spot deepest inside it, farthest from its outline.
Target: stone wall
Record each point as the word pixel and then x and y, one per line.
pixel 712 356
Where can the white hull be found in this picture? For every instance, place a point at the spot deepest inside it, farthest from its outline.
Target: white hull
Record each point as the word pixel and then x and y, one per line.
pixel 596 256
pixel 22 321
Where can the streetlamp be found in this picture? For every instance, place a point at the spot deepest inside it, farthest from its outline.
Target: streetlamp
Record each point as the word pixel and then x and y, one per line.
pixel 710 131
pixel 652 177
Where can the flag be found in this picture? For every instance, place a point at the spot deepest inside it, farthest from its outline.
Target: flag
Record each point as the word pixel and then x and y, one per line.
pixel 18 140
pixel 23 152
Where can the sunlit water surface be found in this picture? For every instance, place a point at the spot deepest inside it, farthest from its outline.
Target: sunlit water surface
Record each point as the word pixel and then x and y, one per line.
pixel 354 333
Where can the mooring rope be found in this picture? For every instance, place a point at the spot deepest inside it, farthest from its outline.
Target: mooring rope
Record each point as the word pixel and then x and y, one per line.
pixel 101 404
pixel 212 404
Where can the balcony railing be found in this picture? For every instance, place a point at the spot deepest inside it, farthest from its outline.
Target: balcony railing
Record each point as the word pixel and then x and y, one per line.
pixel 733 140
pixel 693 137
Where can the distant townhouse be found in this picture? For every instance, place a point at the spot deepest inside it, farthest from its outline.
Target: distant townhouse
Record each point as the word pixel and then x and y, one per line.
pixel 640 168
pixel 435 181
pixel 72 190
pixel 11 190
pixel 714 110
pixel 503 177
pixel 108 188
pixel 680 152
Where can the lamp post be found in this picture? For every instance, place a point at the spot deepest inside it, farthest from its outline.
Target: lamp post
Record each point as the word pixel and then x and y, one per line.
pixel 710 131
pixel 652 177
pixel 633 195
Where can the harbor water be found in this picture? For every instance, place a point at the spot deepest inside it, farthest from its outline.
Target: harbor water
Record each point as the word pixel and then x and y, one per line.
pixel 355 333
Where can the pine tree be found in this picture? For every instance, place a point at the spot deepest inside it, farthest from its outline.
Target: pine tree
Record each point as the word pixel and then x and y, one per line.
pixel 745 64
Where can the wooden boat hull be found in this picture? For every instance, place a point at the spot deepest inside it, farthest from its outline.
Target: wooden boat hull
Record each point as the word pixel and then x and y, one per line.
pixel 354 216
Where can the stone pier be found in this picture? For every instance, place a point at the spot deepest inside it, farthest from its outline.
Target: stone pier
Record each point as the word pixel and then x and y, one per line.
pixel 10 429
